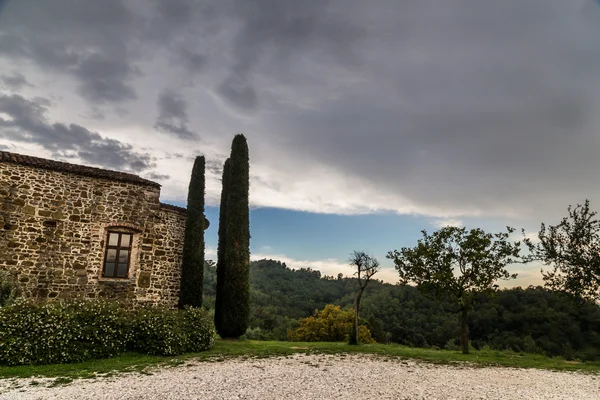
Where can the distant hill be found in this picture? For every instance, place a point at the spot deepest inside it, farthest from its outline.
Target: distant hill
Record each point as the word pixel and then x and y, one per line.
pixel 528 320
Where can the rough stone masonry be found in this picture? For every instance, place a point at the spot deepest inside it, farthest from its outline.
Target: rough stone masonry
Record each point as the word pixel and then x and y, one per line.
pixel 56 222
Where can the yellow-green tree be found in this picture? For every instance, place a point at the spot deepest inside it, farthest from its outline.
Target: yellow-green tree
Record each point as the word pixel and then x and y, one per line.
pixel 332 324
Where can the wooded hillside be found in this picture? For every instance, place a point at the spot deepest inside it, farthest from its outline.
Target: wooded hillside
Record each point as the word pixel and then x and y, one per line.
pixel 524 320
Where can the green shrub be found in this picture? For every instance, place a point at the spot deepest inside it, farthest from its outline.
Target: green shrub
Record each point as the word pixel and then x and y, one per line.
pixel 61 331
pixel 451 344
pixel 103 328
pixel 253 334
pixel 78 330
pixel 199 329
pixel 168 332
pixel 529 346
pixel 589 353
pixel 159 331
pixel 9 289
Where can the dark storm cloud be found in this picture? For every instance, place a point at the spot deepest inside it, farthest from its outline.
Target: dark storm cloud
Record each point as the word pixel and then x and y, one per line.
pixel 215 166
pixel 462 106
pixel 15 81
pixel 477 107
pixel 27 122
pixel 102 43
pixel 183 27
pixel 172 115
pixel 238 91
pixel 153 176
pixel 88 40
pixel 104 78
pixel 170 156
pixel 283 32
pixel 193 62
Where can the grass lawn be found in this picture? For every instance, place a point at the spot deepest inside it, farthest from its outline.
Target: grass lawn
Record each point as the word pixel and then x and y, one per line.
pixel 250 349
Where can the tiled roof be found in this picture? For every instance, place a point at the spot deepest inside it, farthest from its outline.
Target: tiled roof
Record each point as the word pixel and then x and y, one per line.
pixel 59 166
pixel 183 211
pixel 171 207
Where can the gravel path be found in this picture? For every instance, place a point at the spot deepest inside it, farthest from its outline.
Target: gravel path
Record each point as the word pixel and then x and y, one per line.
pixel 317 377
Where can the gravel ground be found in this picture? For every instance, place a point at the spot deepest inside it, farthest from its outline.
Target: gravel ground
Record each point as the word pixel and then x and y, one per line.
pixel 317 377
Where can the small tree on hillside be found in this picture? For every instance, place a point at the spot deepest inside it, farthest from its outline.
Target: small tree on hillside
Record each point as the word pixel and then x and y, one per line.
pixel 221 267
pixel 366 266
pixel 457 265
pixel 192 266
pixel 572 249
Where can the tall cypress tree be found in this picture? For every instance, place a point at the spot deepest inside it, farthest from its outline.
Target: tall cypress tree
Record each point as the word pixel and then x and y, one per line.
pixel 192 267
pixel 221 248
pixel 235 303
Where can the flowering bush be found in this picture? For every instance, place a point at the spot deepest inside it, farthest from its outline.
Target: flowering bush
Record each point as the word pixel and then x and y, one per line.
pixel 168 332
pixel 61 331
pixel 104 328
pixel 77 330
pixel 158 331
pixel 199 329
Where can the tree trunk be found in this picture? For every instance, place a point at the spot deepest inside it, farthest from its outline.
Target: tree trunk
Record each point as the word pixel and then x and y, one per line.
pixel 464 332
pixel 354 333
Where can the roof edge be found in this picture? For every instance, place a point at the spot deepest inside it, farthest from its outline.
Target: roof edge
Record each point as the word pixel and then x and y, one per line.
pixel 76 169
pixel 171 207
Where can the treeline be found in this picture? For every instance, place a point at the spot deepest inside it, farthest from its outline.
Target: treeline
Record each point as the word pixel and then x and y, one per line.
pixel 534 320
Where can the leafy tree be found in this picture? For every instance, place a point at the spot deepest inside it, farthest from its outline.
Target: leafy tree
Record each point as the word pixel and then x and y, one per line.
pixel 457 265
pixel 221 267
pixel 572 249
pixel 332 324
pixel 192 267
pixel 366 267
pixel 235 302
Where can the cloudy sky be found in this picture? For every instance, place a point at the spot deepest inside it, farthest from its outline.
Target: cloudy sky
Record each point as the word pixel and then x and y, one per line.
pixel 367 121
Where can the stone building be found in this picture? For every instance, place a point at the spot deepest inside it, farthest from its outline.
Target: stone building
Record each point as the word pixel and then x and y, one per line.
pixel 74 231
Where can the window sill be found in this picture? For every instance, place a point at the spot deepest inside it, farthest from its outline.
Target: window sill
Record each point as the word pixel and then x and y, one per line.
pixel 118 280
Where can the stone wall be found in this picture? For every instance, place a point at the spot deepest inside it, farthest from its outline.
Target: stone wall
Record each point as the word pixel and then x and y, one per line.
pixel 53 230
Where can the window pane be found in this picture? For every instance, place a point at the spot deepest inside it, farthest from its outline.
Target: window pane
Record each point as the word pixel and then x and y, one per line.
pixel 122 271
pixel 125 240
pixel 111 255
pixel 109 269
pixel 113 239
pixel 124 256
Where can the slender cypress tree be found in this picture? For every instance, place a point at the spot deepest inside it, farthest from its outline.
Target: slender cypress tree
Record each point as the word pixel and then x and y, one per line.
pixel 235 304
pixel 221 248
pixel 192 266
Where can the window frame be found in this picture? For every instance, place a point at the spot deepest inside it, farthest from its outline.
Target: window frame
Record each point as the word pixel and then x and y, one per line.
pixel 118 248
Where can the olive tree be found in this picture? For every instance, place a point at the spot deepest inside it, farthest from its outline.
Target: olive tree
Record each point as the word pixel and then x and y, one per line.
pixel 457 265
pixel 572 251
